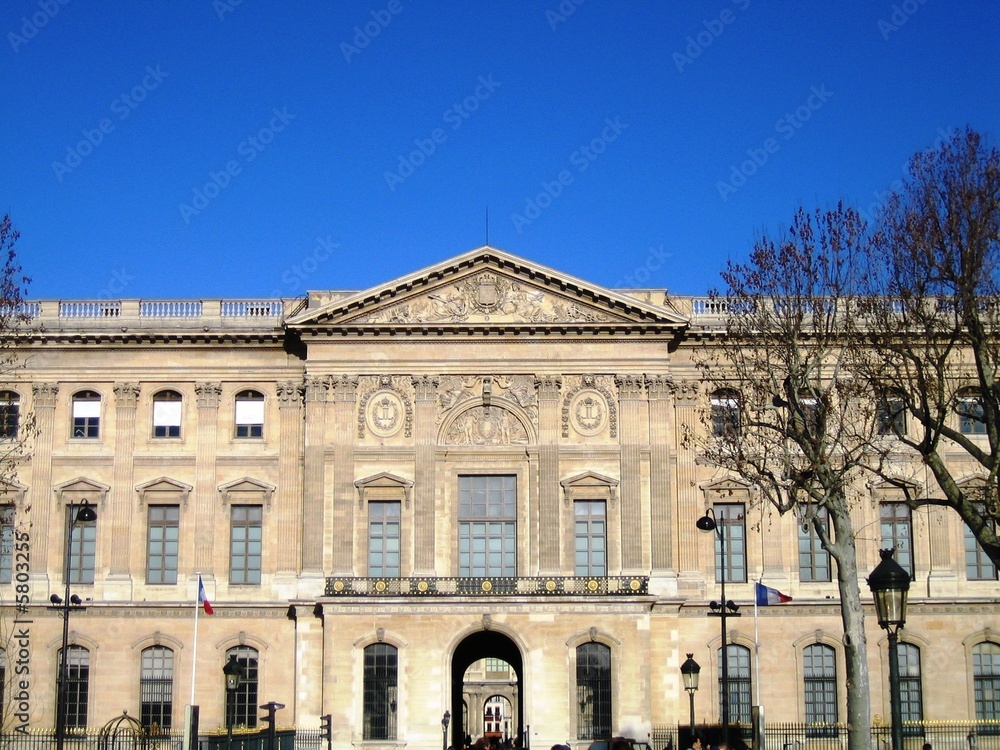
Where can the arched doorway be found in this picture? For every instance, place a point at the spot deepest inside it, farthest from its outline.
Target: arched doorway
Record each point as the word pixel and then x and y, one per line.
pixel 486 644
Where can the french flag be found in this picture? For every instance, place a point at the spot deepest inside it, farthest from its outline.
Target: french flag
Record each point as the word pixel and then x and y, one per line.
pixel 767 595
pixel 203 600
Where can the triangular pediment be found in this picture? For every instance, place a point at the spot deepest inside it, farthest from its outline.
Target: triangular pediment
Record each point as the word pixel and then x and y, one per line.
pixel 163 488
pixel 488 289
pixel 247 490
pixel 81 488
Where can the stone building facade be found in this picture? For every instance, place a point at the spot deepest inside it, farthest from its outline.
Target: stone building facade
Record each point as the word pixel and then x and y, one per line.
pixel 477 461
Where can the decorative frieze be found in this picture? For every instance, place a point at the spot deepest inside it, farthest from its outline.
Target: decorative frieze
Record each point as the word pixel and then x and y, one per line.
pixel 483 425
pixel 619 586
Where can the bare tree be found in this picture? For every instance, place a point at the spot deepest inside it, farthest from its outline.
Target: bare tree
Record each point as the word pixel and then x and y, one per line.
pixel 932 299
pixel 16 432
pixel 785 414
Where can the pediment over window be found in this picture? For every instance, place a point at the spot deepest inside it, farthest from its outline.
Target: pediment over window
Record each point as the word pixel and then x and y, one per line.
pixel 383 486
pixel 895 492
pixel 163 490
pixel 589 486
pixel 11 492
pixel 488 289
pixel 248 491
pixel 727 488
pixel 77 490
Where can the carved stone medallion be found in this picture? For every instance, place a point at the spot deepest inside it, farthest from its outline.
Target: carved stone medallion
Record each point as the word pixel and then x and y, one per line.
pixel 589 412
pixel 385 413
pixel 486 426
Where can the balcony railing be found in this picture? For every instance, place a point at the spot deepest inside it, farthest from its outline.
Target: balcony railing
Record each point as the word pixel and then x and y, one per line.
pixel 491 586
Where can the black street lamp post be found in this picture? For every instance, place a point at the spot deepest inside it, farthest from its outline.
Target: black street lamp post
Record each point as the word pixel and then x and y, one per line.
pixel 84 514
pixel 889 584
pixel 445 721
pixel 233 672
pixel 690 671
pixel 722 610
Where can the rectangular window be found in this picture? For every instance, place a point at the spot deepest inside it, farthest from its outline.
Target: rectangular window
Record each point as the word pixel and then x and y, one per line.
pixel 6 546
pixel 383 539
pixel 487 529
pixel 379 701
pixel 971 415
pixel 593 691
pixel 897 533
pixel 978 566
pixel 167 414
pixel 731 520
pixel 891 415
pixel 249 415
pixel 590 528
pixel 246 542
pixel 82 548
pixel 10 414
pixel 814 561
pixel 910 694
pixel 161 557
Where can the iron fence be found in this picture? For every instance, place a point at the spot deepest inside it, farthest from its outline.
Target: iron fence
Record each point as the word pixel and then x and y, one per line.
pixel 302 739
pixel 941 735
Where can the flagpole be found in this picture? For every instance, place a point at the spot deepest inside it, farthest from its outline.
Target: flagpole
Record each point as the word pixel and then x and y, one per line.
pixel 756 644
pixel 194 651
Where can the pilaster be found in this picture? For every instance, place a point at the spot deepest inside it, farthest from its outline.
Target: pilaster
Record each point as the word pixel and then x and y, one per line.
pixel 549 388
pixel 687 395
pixel 425 392
pixel 40 492
pixel 118 583
pixel 345 392
pixel 313 519
pixel 205 474
pixel 632 400
pixel 285 513
pixel 661 432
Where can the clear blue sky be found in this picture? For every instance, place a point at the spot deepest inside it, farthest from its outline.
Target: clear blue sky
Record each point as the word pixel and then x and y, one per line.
pixel 336 145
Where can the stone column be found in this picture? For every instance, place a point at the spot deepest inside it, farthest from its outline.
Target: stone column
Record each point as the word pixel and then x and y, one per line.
pixel 689 502
pixel 285 513
pixel 122 492
pixel 205 490
pixel 39 500
pixel 631 400
pixel 313 518
pixel 345 390
pixel 550 556
pixel 424 425
pixel 661 432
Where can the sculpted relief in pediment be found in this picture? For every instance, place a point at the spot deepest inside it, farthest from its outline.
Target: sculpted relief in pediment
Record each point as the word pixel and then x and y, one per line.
pixel 487 297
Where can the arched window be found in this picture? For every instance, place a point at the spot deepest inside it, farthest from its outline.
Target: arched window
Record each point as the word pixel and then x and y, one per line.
pixel 241 704
pixel 87 414
pixel 911 694
pixel 249 414
pixel 738 669
pixel 819 673
pixel 10 414
pixel 725 413
pixel 986 680
pixel 77 685
pixel 156 687
pixel 381 664
pixel 167 414
pixel 971 415
pixel 593 691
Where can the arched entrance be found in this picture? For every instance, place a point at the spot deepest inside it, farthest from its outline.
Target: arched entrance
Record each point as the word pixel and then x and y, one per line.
pixel 486 644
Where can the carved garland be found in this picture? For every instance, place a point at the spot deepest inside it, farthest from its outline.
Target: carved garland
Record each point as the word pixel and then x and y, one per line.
pixel 590 382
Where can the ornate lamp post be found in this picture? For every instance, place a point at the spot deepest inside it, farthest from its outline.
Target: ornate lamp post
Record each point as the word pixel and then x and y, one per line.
pixel 690 671
pixel 233 672
pixel 445 721
pixel 889 584
pixel 84 514
pixel 722 610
